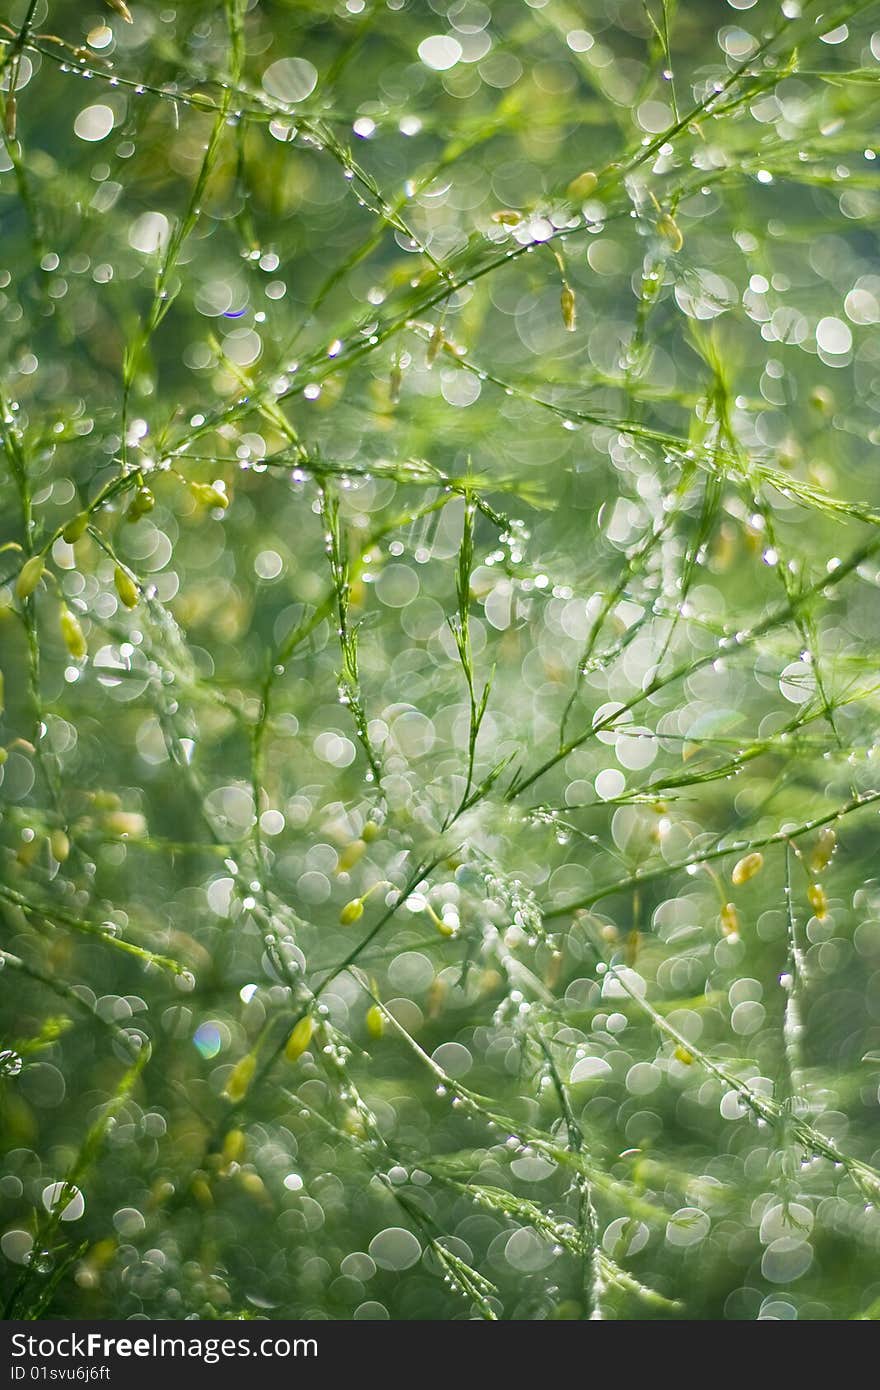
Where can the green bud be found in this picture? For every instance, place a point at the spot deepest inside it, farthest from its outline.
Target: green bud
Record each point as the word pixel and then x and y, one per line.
pixel 435 342
pixel 669 228
pixel 74 637
pixel 59 845
pixel 125 587
pixel 234 1146
pixel 582 186
pixel 569 309
pixel 240 1078
pixel 350 855
pixel 29 576
pixel 746 868
pixel 375 1021
pixel 818 900
pixel 75 527
pixel 142 502
pixel 821 853
pixel 729 919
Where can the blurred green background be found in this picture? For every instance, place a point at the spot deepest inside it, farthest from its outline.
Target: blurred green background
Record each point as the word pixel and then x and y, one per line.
pixel 439 630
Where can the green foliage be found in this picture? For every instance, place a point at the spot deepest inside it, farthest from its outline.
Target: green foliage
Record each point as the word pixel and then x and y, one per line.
pixel 438 632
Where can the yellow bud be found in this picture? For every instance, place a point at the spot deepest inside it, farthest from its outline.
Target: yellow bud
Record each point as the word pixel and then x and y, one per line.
pixel 443 928
pixel 161 1190
pixel 682 1055
pixel 436 996
pixel 75 527
pixel 252 1184
pixel 240 1078
pixel 568 1310
pixel 582 186
pixel 789 453
pixel 105 801
pixel 201 1191
pixel 351 912
pixel 746 868
pixel 435 342
pixel 74 638
pixel 669 228
pixel 59 845
pixel 754 538
pixel 729 919
pixel 506 217
pixel 569 308
pixel 209 495
pixel 103 1251
pixel 234 1146
pixel 724 548
pixel 130 823
pixel 370 831
pixel 353 1123
pixel 27 852
pixel 125 587
pixel 818 900
pixel 29 576
pixel 375 1021
pixel 3 756
pixel 553 970
pixel 820 855
pixel 299 1038
pixel 350 855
